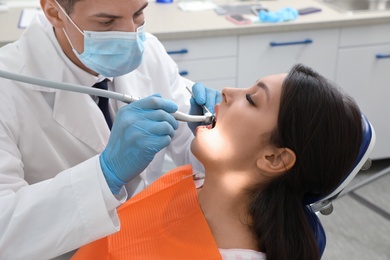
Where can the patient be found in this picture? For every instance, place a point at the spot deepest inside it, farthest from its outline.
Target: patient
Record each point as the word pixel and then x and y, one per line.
pixel 288 136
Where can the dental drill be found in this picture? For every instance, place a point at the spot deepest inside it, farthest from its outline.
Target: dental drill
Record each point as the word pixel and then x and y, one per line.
pixel 208 118
pixel 212 120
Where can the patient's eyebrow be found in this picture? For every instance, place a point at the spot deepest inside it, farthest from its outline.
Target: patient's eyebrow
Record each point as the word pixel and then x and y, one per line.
pixel 263 86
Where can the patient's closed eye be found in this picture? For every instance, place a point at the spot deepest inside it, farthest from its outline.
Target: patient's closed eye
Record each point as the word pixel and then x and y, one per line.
pixel 250 100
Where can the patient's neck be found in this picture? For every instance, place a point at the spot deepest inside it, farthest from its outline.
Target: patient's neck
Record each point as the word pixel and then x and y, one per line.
pixel 225 208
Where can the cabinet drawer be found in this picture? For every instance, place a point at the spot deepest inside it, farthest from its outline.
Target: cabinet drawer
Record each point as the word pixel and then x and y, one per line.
pixel 198 70
pixel 370 34
pixel 366 78
pixel 266 54
pixel 204 48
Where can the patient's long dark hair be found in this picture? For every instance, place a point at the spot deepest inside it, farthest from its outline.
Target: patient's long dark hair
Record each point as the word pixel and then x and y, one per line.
pixel 323 127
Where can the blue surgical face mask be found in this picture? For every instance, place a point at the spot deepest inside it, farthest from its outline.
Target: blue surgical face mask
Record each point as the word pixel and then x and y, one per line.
pixel 110 53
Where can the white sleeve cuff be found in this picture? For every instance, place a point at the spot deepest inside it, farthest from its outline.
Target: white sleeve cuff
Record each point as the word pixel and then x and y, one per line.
pixel 96 204
pixel 112 200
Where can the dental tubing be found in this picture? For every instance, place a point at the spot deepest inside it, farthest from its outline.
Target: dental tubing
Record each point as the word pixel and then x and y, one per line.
pixel 97 92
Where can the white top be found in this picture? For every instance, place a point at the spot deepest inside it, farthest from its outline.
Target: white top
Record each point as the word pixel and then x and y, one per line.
pixel 241 254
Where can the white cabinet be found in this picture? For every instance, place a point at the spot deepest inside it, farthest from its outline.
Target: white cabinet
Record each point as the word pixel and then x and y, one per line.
pixel 211 61
pixel 265 54
pixel 362 35
pixel 363 70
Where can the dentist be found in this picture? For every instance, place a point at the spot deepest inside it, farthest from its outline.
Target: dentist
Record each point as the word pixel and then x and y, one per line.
pixel 65 164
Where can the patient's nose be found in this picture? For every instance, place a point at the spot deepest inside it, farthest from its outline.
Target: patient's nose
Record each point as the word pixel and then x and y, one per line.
pixel 228 94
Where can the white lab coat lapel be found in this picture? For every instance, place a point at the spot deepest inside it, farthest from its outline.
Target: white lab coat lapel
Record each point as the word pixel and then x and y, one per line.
pixel 79 115
pixel 75 112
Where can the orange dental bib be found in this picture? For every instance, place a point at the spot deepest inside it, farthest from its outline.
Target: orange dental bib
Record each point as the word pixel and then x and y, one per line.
pixel 162 222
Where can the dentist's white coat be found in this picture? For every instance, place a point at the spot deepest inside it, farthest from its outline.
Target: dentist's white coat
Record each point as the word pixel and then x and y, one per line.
pixel 53 197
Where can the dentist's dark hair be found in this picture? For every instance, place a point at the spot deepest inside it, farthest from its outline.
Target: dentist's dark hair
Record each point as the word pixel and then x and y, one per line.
pixel 67 5
pixel 323 126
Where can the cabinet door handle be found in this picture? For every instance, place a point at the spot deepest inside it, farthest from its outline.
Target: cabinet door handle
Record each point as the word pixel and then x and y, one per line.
pixel 383 56
pixel 183 73
pixel 182 51
pixel 274 44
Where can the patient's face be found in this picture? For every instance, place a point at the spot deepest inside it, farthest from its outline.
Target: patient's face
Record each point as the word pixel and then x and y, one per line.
pixel 245 120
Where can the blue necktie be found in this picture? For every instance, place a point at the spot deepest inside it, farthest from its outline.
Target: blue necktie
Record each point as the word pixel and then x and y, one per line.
pixel 103 102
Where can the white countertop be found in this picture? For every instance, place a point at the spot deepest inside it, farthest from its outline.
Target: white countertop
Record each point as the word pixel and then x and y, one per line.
pixel 167 21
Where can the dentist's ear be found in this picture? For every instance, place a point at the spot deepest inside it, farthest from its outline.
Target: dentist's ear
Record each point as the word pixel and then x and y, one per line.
pixel 276 161
pixel 52 12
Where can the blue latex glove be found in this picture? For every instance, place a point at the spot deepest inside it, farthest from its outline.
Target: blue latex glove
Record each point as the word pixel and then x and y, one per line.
pixel 140 130
pixel 282 15
pixel 203 96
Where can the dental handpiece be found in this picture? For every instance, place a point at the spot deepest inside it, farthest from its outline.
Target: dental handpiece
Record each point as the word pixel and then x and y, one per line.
pixel 207 118
pixel 212 120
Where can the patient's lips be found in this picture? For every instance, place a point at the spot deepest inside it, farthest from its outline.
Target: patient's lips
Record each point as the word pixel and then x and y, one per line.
pixel 216 108
pixel 202 128
pixel 213 121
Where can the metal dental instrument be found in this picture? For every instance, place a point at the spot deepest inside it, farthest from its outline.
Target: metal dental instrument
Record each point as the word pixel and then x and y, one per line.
pixel 207 114
pixel 203 106
pixel 97 92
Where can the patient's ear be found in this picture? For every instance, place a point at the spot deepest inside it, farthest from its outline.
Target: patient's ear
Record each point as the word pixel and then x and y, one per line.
pixel 276 160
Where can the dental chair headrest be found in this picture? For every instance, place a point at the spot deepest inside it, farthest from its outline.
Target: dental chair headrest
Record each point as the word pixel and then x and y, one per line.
pixel 323 204
pixel 366 147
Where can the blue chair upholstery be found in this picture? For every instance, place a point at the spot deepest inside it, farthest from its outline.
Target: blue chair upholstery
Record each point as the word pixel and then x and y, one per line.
pixel 313 205
pixel 316 226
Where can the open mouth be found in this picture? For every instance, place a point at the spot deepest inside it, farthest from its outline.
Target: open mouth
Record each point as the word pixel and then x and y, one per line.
pixel 209 126
pixel 213 122
pixel 214 118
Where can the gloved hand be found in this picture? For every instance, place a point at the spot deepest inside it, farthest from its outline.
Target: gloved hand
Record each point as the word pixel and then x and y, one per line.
pixel 202 96
pixel 140 130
